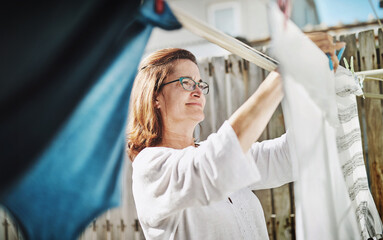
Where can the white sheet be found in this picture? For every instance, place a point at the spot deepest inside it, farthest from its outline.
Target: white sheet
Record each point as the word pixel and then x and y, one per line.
pixel 323 207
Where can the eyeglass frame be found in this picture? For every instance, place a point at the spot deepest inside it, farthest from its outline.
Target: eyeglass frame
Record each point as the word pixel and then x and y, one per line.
pixel 195 84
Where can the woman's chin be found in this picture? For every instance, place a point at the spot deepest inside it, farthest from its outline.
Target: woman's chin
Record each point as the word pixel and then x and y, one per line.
pixel 198 117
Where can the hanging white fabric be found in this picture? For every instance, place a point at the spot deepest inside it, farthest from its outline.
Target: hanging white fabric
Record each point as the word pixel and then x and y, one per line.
pixel 323 207
pixel 349 143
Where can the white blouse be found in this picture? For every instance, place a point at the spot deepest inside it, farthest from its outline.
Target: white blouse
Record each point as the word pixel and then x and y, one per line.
pixel 183 193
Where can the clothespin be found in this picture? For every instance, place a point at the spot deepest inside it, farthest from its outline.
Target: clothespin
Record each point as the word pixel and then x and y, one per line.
pixel 284 5
pixel 351 66
pixel 339 55
pixel 358 78
pixel 159 6
pixel 346 64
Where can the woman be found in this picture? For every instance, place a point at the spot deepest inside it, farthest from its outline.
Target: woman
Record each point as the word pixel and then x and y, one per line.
pixel 188 190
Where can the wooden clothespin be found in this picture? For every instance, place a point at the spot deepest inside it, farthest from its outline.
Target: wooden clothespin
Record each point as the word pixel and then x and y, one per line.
pixel 358 78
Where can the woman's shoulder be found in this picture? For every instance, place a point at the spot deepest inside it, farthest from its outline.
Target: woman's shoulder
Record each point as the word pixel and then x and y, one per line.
pixel 152 152
pixel 154 160
pixel 158 154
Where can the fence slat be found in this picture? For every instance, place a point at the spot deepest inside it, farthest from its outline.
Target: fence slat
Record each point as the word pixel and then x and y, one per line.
pixel 206 126
pixel 218 67
pixel 352 50
pixel 3 225
pixel 264 196
pixel 281 195
pixel 256 76
pixel 237 85
pixel 380 58
pixel 373 107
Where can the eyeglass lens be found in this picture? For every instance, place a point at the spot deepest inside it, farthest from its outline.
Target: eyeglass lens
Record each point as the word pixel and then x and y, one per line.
pixel 189 85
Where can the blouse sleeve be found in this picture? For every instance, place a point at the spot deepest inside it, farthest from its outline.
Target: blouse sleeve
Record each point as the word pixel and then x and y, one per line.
pixel 168 180
pixel 274 163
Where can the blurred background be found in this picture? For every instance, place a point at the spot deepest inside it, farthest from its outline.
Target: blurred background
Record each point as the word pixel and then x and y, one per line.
pixel 247 20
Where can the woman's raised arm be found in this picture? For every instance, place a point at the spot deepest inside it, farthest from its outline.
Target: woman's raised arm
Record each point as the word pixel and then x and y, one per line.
pixel 251 118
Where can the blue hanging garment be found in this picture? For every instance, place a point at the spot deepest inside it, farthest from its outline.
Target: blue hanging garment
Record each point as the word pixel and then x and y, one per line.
pixel 67 71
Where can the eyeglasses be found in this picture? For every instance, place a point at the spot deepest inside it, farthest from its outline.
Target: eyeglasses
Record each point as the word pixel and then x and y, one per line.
pixel 189 84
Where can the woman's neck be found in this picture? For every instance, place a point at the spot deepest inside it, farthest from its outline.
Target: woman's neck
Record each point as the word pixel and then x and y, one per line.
pixel 177 136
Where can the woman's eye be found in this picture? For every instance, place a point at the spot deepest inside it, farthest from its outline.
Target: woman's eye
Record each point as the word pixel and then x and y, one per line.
pixel 187 82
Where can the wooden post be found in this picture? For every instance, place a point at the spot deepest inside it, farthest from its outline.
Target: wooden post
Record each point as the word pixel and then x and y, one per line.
pixel 373 107
pixel 281 195
pixel 206 126
pixel 245 74
pixel 237 85
pixel 228 97
pixel 256 76
pixel 292 210
pixel 94 230
pixel 265 196
pixel 115 220
pixel 380 58
pixel 5 223
pixel 122 227
pixel 352 50
pixel 2 218
pixel 101 232
pixel 137 230
pixel 218 66
pixel 129 207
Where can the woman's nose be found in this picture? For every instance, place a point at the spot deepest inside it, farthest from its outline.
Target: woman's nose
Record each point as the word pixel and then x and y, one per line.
pixel 197 92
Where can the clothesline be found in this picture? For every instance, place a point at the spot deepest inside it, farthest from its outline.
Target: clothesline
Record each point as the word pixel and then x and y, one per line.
pixel 241 49
pixel 365 75
pixel 370 72
pixel 223 40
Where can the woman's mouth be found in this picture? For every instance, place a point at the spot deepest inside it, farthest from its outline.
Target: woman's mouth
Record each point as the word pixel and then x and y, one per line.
pixel 194 104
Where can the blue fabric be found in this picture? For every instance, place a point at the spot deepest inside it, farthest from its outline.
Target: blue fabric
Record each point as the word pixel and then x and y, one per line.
pixel 52 53
pixel 78 174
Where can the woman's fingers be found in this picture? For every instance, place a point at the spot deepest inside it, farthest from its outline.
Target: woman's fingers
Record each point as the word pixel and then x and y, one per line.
pixel 325 42
pixel 335 62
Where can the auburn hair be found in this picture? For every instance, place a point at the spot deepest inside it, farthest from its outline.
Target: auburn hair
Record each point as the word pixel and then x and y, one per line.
pixel 145 122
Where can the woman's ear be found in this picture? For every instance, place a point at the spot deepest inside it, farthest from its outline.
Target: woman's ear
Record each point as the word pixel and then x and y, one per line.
pixel 157 103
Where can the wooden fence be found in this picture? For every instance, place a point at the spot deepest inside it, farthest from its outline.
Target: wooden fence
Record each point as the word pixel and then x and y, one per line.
pixel 232 81
pixel 368 54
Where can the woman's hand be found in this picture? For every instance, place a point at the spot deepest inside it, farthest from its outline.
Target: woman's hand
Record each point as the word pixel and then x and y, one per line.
pixel 325 42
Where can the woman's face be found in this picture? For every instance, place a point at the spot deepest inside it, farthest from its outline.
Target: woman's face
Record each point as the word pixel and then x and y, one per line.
pixel 177 104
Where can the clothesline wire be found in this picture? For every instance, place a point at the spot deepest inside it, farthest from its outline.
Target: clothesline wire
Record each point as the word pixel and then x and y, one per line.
pixel 237 47
pixel 376 14
pixel 370 72
pixel 223 40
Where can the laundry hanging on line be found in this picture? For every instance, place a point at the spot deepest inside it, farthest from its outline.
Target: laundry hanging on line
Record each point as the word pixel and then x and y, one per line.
pixel 349 144
pixel 323 207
